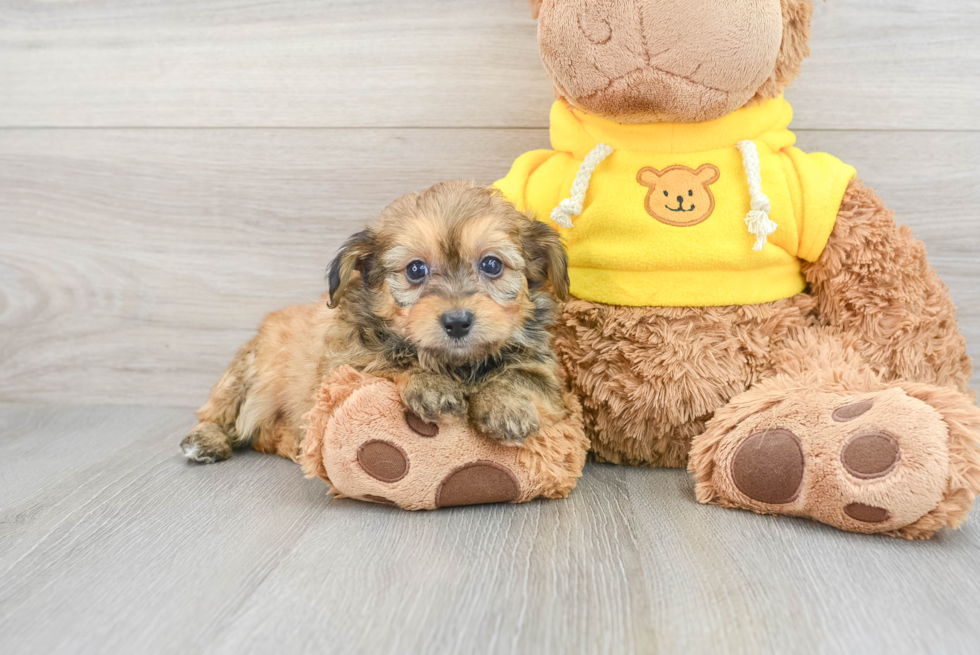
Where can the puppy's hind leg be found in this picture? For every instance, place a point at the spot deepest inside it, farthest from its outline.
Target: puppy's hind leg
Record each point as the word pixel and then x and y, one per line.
pixel 213 439
pixel 206 444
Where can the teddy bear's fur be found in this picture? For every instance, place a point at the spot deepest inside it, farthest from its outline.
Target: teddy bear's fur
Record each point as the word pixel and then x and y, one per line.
pixel 684 386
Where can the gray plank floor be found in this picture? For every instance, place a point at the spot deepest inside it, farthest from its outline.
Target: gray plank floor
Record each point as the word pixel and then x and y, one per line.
pixel 111 542
pixel 171 171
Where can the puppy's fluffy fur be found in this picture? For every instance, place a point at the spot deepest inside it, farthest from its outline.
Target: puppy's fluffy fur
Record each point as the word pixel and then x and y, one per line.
pixel 502 375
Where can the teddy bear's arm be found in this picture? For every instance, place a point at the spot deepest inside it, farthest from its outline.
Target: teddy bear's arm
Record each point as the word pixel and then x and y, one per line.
pixel 874 282
pixel 514 186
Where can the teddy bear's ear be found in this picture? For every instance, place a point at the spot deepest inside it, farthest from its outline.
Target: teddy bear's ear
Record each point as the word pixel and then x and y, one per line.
pixel 797 15
pixel 707 174
pixel 648 176
pixel 535 8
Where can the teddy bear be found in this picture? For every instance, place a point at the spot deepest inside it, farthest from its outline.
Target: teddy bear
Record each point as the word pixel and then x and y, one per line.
pixel 741 308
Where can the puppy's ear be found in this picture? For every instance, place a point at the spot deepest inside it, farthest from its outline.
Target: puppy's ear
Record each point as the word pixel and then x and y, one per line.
pixel 535 8
pixel 356 255
pixel 545 256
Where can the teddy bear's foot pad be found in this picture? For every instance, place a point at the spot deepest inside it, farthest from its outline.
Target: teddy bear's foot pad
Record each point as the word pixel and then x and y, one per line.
pixel 869 464
pixel 768 467
pixel 477 483
pixel 383 460
pixel 375 450
pixel 365 444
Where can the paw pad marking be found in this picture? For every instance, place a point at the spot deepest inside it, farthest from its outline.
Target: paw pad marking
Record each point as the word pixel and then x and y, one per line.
pixel 768 467
pixel 477 483
pixel 866 513
pixel 852 411
pixel 419 426
pixel 383 460
pixel 870 456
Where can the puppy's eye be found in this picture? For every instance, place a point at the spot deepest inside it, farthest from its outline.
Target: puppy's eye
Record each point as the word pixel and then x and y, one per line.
pixel 666 194
pixel 416 271
pixel 491 266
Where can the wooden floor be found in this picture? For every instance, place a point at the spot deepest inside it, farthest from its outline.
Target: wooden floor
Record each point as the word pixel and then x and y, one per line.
pixel 172 170
pixel 111 542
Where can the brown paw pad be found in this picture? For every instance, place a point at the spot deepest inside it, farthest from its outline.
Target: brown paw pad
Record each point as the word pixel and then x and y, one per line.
pixel 852 411
pixel 383 460
pixel 768 467
pixel 872 455
pixel 478 483
pixel 420 426
pixel 866 513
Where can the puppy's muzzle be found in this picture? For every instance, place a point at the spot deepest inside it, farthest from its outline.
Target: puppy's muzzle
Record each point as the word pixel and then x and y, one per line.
pixel 457 323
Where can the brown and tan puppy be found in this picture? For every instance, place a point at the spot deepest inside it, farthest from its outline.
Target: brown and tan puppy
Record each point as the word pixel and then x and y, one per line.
pixel 450 294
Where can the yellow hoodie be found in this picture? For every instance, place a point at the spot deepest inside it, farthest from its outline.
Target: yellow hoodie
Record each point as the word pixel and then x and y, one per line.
pixel 674 214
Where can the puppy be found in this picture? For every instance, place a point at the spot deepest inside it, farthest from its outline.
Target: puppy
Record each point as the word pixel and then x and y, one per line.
pixel 450 294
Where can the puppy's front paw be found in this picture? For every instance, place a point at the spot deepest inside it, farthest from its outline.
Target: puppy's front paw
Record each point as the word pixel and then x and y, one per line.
pixel 506 419
pixel 430 397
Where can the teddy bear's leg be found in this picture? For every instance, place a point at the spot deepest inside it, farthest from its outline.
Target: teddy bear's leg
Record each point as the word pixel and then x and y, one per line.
pixel 867 424
pixel 827 439
pixel 364 442
pixel 650 377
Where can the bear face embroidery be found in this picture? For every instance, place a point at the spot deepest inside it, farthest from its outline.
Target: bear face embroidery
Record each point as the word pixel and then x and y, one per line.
pixel 680 196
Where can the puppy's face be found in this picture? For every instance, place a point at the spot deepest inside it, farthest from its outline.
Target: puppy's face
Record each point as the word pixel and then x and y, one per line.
pixel 454 269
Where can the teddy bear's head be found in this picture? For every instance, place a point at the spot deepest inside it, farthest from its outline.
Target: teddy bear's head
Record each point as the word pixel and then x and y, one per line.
pixel 644 61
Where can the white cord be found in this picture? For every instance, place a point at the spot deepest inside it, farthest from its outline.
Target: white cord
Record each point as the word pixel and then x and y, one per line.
pixel 758 220
pixel 573 206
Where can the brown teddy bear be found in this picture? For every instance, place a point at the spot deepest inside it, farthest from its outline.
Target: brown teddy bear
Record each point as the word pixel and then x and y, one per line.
pixel 741 308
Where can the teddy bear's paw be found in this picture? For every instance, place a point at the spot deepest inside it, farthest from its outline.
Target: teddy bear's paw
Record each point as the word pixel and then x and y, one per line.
pixel 872 462
pixel 376 450
pixel 474 483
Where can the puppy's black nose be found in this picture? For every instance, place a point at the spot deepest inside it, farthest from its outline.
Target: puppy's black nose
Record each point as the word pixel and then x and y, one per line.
pixel 680 199
pixel 457 323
